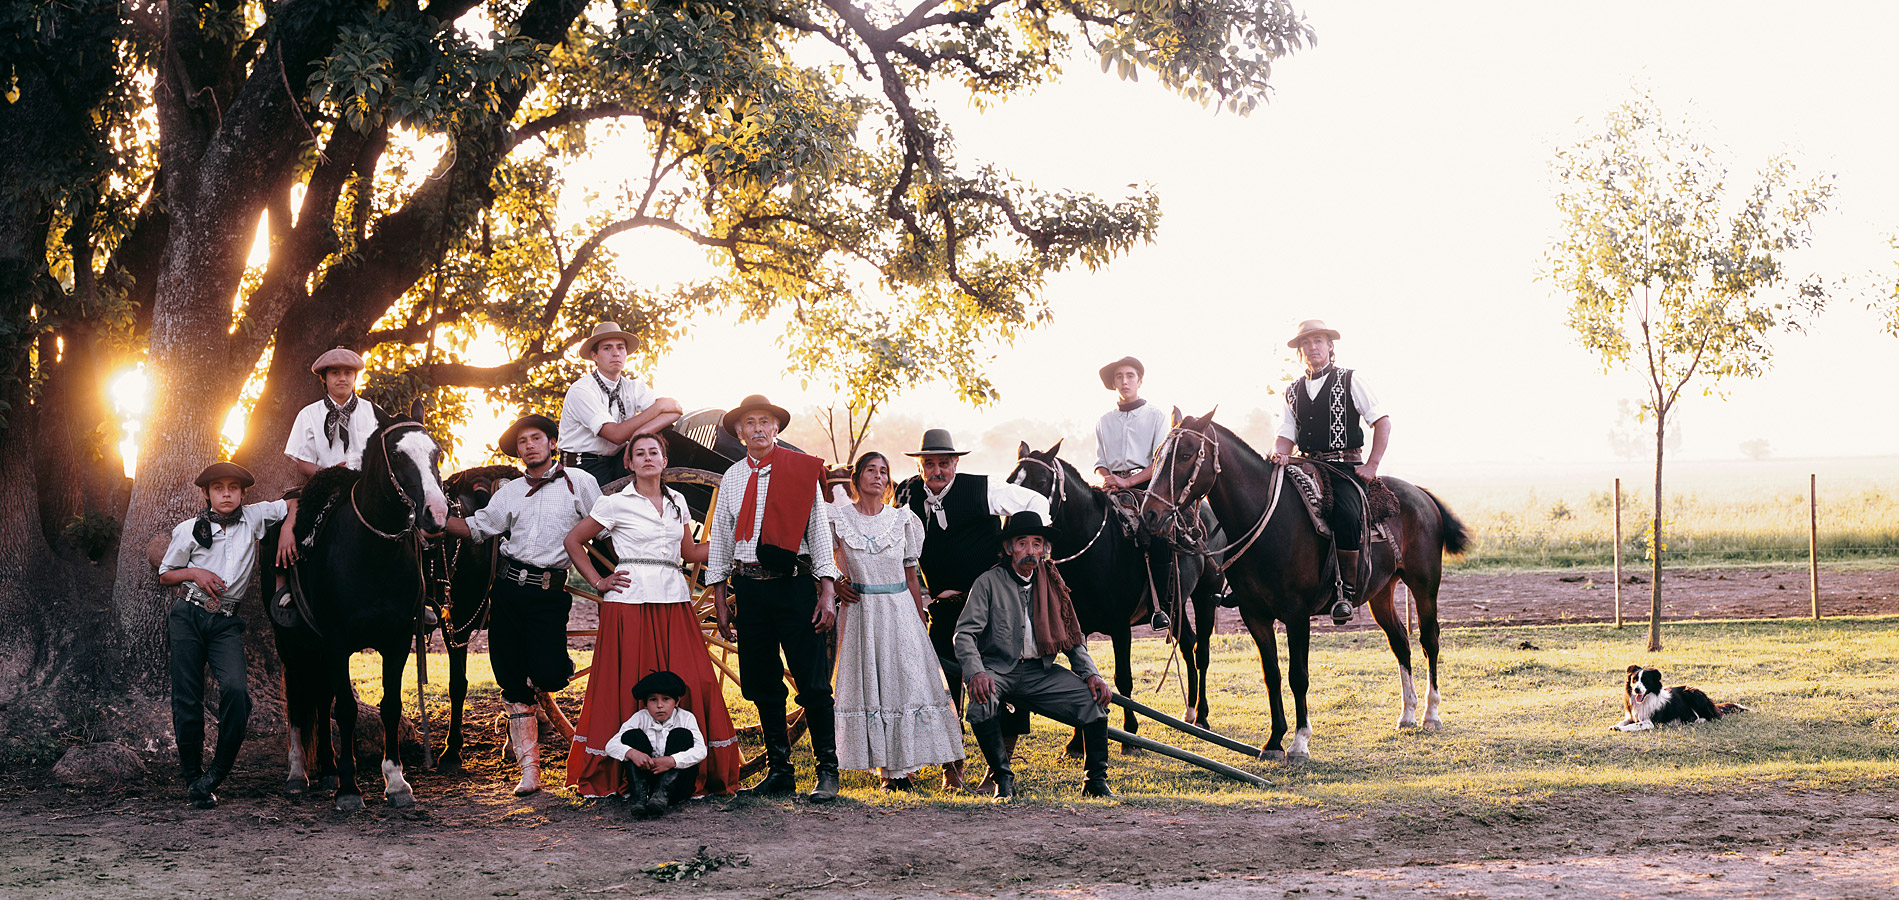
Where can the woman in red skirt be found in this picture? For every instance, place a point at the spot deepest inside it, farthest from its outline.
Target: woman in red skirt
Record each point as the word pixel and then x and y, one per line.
pixel 647 624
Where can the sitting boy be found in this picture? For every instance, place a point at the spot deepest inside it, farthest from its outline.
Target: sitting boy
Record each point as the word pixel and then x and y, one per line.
pixel 214 556
pixel 658 778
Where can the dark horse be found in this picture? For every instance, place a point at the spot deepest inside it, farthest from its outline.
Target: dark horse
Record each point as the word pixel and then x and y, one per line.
pixel 460 572
pixel 1278 567
pixel 362 583
pixel 1108 575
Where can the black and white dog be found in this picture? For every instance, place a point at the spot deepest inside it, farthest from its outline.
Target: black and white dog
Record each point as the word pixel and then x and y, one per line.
pixel 1648 704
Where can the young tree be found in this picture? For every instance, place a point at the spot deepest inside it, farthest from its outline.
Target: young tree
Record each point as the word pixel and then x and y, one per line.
pixel 1674 274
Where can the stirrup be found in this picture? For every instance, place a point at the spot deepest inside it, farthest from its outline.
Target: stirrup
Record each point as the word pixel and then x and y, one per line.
pixel 1342 612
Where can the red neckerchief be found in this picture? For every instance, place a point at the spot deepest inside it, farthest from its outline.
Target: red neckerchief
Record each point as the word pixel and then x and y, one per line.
pixel 748 511
pixel 554 471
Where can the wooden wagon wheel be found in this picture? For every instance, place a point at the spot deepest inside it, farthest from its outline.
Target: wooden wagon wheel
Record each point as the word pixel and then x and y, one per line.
pixel 723 653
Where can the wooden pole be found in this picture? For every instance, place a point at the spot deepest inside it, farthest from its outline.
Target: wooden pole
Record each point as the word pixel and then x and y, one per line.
pixel 1618 553
pixel 1187 757
pixel 1813 544
pixel 1212 737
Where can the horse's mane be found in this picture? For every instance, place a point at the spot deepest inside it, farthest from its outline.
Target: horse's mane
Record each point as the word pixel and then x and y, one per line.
pixel 324 485
pixel 458 482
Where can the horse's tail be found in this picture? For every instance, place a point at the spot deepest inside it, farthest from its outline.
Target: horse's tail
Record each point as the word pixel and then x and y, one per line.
pixel 1451 531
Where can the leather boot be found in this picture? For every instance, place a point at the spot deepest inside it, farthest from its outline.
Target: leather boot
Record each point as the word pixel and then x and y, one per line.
pixel 1348 581
pixel 636 792
pixel 200 793
pixel 660 798
pixel 989 738
pixel 524 731
pixel 823 725
pixel 1094 736
pixel 190 763
pixel 778 780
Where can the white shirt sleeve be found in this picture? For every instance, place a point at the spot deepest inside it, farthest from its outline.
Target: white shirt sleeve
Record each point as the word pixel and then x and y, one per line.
pixel 303 433
pixel 638 395
pixel 1288 422
pixel 1102 440
pixel 1367 403
pixel 617 748
pixel 1006 499
pixel 817 537
pixel 178 552
pixel 263 513
pixel 694 755
pixel 495 518
pixel 1163 423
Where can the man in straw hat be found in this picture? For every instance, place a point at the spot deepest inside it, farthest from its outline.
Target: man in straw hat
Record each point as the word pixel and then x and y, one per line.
pixel 608 406
pixel 770 537
pixel 962 516
pixel 1126 439
pixel 330 432
pixel 1326 411
pixel 213 555
pixel 527 624
pixel 1017 619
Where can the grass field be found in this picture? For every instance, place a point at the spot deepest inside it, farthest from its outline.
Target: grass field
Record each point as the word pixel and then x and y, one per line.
pixel 1519 723
pixel 1527 516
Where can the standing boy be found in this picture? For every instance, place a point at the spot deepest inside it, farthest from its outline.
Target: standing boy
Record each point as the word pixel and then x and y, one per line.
pixel 213 555
pixel 608 406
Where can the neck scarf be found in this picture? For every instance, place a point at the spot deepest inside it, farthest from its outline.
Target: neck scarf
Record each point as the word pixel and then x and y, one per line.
pixel 201 532
pixel 748 511
pixel 1052 612
pixel 615 403
pixel 933 503
pixel 555 470
pixel 1130 405
pixel 336 419
pixel 1315 376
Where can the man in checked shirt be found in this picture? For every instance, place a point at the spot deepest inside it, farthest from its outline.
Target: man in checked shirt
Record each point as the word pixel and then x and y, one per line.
pixel 770 537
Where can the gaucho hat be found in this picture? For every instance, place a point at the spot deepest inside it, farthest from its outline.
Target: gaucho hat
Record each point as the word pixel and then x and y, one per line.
pixel 602 332
pixel 1026 523
pixel 1107 371
pixel 1312 326
pixel 337 357
pixel 755 401
pixel 531 420
pixel 661 682
pixel 937 442
pixel 219 470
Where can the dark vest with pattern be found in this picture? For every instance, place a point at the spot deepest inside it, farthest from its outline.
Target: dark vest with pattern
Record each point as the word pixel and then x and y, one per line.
pixel 953 558
pixel 1327 423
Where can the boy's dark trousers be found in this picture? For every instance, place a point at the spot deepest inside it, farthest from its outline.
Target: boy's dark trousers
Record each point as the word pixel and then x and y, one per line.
pixel 673 784
pixel 199 638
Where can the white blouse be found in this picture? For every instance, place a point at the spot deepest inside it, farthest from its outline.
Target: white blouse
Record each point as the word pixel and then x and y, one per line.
pixel 647 542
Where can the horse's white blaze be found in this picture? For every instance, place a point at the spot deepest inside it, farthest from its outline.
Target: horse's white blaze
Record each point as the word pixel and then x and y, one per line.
pixel 420 449
pixel 296 754
pixel 1431 704
pixel 1021 477
pixel 394 783
pixel 1407 687
pixel 1301 742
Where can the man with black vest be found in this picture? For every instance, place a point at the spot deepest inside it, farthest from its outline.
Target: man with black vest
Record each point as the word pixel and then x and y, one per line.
pixel 1324 417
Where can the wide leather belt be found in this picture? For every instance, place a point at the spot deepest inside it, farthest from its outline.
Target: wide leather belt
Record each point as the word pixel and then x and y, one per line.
pixel 756 572
pixel 581 459
pixel 1350 456
pixel 529 576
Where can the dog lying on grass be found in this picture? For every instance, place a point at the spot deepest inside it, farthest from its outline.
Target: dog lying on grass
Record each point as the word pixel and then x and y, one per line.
pixel 1648 704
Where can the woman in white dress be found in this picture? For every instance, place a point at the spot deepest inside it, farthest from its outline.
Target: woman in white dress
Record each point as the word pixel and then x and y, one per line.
pixel 647 624
pixel 893 712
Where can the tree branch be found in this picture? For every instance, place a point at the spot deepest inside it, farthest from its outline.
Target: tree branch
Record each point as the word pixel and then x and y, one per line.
pixel 574 116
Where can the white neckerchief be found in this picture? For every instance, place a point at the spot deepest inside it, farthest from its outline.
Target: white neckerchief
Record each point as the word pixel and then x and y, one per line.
pixel 933 503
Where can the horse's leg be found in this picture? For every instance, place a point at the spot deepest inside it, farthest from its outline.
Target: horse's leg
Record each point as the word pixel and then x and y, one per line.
pixel 1190 666
pixel 451 759
pixel 322 760
pixel 1123 639
pixel 1298 657
pixel 1268 644
pixel 1424 594
pixel 1206 609
pixel 395 787
pixel 349 797
pixel 1385 612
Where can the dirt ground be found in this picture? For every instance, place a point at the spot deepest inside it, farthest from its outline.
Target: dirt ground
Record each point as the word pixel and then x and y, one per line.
pixel 471 838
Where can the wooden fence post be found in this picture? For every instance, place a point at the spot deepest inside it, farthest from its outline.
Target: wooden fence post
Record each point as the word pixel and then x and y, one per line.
pixel 1618 553
pixel 1813 544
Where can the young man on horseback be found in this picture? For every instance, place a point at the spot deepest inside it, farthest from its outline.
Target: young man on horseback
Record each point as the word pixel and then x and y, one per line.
pixel 1126 439
pixel 608 406
pixel 529 603
pixel 962 519
pixel 1324 417
pixel 213 556
pixel 329 432
pixel 771 535
pixel 1017 618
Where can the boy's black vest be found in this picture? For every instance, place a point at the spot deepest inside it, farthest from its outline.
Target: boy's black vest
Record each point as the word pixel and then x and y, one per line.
pixel 1327 423
pixel 953 558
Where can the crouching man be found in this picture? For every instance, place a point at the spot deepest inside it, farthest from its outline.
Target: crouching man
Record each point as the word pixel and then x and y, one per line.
pixel 1018 617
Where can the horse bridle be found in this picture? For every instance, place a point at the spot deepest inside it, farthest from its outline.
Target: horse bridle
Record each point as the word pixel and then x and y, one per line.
pixel 1060 479
pixel 1226 556
pixel 390 471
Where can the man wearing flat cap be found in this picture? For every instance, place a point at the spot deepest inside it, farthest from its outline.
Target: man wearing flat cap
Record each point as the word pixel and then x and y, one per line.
pixel 1126 439
pixel 529 603
pixel 213 556
pixel 330 432
pixel 608 406
pixel 1018 618
pixel 1326 412
pixel 771 537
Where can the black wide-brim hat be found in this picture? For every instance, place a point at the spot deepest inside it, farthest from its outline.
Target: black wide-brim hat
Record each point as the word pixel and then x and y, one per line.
pixel 661 682
pixel 937 442
pixel 755 401
pixel 1026 523
pixel 219 470
pixel 531 420
pixel 1107 371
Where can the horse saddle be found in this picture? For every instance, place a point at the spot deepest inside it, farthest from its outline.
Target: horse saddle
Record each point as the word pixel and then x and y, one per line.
pixel 1314 489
